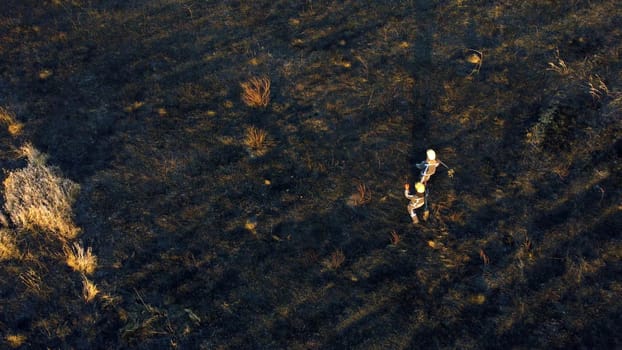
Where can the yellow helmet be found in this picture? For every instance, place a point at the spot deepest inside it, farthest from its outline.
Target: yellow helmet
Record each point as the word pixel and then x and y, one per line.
pixel 419 187
pixel 431 154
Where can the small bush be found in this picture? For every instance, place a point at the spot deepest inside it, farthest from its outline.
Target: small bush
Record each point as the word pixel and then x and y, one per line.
pixel 37 197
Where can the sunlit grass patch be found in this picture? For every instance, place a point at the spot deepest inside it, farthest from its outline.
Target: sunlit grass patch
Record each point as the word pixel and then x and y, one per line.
pixel 15 340
pixel 257 141
pixel 80 259
pixel 136 105
pixel 256 92
pixel 45 74
pixel 559 66
pixel 7 118
pixel 8 245
pixel 33 282
pixel 37 197
pixel 251 225
pixel 89 290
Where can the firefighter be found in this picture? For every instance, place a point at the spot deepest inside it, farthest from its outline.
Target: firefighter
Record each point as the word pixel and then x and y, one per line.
pixel 428 166
pixel 417 200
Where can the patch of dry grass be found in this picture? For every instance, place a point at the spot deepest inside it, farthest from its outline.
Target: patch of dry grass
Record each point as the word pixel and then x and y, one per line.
pixel 80 259
pixel 8 245
pixel 335 260
pixel 37 197
pixel 8 118
pixel 360 197
pixel 89 290
pixel 257 141
pixel 256 92
pixel 15 340
pixel 33 282
pixel 395 238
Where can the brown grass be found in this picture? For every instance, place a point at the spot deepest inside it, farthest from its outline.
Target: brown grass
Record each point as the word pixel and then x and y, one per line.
pixel 8 245
pixel 395 238
pixel 360 197
pixel 335 260
pixel 8 118
pixel 256 92
pixel 80 259
pixel 559 65
pixel 15 340
pixel 33 282
pixel 37 197
pixel 257 141
pixel 484 257
pixel 89 290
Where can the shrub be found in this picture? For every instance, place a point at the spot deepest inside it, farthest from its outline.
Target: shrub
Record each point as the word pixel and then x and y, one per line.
pixel 37 197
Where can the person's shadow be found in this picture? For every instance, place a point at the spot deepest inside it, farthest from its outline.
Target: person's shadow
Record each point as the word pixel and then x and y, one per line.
pixel 424 97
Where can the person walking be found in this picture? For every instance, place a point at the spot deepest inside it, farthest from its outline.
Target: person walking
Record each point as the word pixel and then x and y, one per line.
pixel 428 166
pixel 417 201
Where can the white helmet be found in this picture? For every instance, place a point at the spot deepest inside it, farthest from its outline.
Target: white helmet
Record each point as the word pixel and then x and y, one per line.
pixel 431 154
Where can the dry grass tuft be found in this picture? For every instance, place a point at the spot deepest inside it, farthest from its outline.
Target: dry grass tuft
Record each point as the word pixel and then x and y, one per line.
pixel 15 340
pixel 360 197
pixel 256 92
pixel 335 260
pixel 89 290
pixel 395 238
pixel 33 282
pixel 36 197
pixel 257 141
pixel 8 245
pixel 8 118
pixel 559 65
pixel 80 259
pixel 484 257
pixel 597 88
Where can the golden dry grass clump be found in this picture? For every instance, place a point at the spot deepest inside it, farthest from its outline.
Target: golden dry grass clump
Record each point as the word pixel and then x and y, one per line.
pixel 8 245
pixel 89 290
pixel 80 259
pixel 15 340
pixel 37 197
pixel 256 92
pixel 8 118
pixel 257 141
